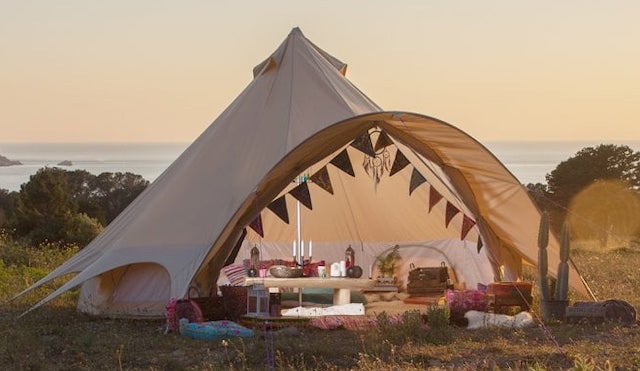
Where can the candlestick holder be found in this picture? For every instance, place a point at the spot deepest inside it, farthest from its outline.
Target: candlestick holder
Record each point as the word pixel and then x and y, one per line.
pixel 303 264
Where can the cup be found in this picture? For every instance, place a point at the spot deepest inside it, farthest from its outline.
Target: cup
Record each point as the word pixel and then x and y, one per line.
pixel 262 272
pixel 322 271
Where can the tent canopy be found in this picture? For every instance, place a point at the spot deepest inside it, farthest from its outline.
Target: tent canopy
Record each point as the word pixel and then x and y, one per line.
pixel 300 115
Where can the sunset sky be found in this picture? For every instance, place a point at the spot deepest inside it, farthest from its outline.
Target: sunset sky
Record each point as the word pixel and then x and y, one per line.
pixel 158 71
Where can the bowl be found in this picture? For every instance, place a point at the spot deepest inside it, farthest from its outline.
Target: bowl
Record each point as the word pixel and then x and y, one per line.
pixel 282 271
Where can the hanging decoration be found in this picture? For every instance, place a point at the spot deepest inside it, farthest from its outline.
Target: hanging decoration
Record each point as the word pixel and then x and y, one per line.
pixel 363 144
pixel 467 224
pixel 279 207
pixel 434 197
pixel 376 161
pixel 383 141
pixel 256 225
pixel 321 178
pixel 450 213
pixel 301 193
pixel 416 180
pixel 399 163
pixel 342 162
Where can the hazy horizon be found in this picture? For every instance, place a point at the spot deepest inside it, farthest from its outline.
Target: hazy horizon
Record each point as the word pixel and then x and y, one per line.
pixel 161 72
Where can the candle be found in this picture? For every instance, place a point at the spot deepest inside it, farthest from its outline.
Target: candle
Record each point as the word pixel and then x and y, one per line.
pixel 310 248
pixel 370 271
pixel 302 250
pixel 294 248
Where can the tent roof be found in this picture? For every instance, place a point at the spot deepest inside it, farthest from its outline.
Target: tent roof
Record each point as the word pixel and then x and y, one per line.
pixel 298 110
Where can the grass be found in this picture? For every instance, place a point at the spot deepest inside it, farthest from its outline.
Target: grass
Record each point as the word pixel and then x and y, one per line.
pixel 56 337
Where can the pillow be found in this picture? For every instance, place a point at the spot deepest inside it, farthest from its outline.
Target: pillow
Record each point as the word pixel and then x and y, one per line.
pixel 235 273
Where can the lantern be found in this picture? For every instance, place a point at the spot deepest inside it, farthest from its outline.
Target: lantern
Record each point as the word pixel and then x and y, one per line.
pixel 258 301
pixel 349 257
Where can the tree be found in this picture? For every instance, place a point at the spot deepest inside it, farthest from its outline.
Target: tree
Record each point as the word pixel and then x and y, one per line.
pixel 44 207
pixel 71 206
pixel 8 202
pixel 113 192
pixel 606 162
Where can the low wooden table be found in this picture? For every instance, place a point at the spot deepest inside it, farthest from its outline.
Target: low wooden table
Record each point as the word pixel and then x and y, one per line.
pixel 341 286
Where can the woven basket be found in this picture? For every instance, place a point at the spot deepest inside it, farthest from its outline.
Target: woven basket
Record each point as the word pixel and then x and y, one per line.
pixel 235 301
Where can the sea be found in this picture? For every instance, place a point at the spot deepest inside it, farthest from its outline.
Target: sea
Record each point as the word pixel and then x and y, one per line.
pixel 530 161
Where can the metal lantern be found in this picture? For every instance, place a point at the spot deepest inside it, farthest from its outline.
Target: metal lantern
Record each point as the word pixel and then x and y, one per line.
pixel 257 301
pixel 255 257
pixel 350 257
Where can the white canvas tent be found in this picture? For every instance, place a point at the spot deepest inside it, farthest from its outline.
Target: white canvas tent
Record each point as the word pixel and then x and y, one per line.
pixel 296 116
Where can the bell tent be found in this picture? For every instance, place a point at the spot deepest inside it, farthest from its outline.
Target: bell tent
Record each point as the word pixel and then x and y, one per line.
pixel 303 154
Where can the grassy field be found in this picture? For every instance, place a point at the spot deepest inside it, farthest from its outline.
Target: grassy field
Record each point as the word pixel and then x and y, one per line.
pixel 56 337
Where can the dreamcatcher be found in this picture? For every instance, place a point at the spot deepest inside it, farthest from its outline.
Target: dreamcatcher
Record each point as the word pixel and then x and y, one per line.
pixel 378 161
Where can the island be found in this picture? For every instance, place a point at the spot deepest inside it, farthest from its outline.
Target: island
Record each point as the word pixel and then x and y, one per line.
pixel 6 162
pixel 65 163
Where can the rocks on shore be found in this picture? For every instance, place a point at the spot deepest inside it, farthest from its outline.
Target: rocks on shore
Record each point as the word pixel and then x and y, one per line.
pixel 6 162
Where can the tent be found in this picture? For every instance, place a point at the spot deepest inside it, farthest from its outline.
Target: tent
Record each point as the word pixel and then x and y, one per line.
pixel 448 199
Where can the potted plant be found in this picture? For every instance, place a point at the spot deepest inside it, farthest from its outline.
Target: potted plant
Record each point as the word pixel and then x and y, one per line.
pixel 387 265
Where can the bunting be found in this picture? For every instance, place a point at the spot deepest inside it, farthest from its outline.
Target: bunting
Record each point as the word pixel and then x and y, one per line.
pixel 399 163
pixel 450 213
pixel 301 193
pixel 434 197
pixel 479 245
pixel 467 224
pixel 342 162
pixel 256 225
pixel 279 207
pixel 383 141
pixel 363 143
pixel 416 180
pixel 321 178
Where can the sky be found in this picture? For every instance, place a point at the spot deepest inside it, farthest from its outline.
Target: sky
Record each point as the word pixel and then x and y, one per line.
pixel 162 71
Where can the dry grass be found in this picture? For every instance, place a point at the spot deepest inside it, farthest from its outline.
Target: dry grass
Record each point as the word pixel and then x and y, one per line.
pixel 56 337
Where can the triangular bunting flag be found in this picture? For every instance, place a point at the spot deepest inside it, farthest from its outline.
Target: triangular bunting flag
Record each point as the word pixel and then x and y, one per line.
pixel 256 225
pixel 342 162
pixel 450 213
pixel 321 178
pixel 416 180
pixel 399 163
pixel 434 197
pixel 467 224
pixel 479 246
pixel 301 193
pixel 363 143
pixel 279 207
pixel 383 141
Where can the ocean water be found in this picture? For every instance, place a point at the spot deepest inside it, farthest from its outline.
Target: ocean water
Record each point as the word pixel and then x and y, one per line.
pixel 528 161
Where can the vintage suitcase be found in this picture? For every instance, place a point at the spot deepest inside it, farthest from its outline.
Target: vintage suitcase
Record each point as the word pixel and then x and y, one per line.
pixel 428 280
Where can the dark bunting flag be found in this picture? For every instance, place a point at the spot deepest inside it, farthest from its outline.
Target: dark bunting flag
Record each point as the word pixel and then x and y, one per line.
pixel 399 163
pixel 363 143
pixel 321 178
pixel 479 246
pixel 434 197
pixel 383 141
pixel 301 193
pixel 342 162
pixel 450 213
pixel 256 225
pixel 416 180
pixel 279 207
pixel 467 224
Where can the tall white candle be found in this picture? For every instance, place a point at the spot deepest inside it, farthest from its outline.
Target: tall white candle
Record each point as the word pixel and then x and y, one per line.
pixel 302 250
pixel 294 248
pixel 310 248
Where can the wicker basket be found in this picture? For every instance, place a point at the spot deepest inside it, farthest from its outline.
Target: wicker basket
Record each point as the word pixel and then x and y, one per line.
pixel 281 271
pixel 235 301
